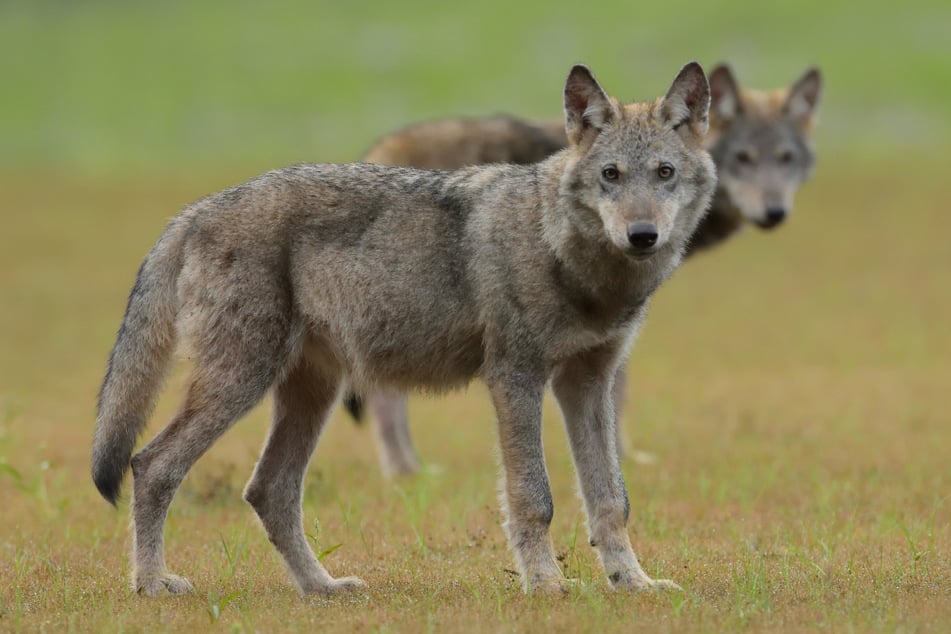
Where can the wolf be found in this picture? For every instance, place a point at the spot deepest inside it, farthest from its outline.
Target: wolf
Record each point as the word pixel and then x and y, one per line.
pixel 305 277
pixel 455 143
pixel 760 143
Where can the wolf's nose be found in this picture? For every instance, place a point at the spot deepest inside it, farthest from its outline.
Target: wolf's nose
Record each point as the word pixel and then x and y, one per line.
pixel 775 215
pixel 642 235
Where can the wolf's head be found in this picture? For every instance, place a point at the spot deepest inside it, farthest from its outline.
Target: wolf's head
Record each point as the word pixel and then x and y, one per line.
pixel 760 142
pixel 639 171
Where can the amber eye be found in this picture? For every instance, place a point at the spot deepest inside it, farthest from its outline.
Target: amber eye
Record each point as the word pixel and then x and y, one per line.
pixel 665 171
pixel 610 173
pixel 744 157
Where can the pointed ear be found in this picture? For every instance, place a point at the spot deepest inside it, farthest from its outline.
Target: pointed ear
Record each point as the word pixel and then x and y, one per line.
pixel 686 106
pixel 803 99
pixel 724 94
pixel 587 107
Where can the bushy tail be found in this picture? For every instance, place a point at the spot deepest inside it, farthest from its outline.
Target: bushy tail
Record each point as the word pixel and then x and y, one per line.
pixel 138 363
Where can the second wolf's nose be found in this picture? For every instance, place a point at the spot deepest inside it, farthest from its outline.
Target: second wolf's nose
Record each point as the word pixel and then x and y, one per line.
pixel 775 215
pixel 642 235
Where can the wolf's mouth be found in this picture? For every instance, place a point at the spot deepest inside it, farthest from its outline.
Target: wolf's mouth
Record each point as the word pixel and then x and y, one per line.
pixel 641 254
pixel 769 223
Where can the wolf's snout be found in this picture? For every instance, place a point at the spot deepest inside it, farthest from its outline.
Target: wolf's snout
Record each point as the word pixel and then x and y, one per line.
pixel 774 216
pixel 642 235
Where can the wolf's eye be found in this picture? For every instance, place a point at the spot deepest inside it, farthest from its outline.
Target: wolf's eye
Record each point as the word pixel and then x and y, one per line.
pixel 744 157
pixel 610 173
pixel 665 171
pixel 785 158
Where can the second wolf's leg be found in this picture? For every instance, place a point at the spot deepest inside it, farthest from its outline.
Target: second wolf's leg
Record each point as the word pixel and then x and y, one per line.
pixel 526 493
pixel 388 411
pixel 583 389
pixel 619 397
pixel 301 404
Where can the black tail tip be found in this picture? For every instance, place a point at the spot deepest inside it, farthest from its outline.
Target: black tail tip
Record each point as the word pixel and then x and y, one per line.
pixel 354 404
pixel 108 482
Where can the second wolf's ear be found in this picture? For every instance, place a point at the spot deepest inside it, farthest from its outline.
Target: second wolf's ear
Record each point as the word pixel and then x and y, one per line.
pixel 686 106
pixel 803 99
pixel 587 107
pixel 724 94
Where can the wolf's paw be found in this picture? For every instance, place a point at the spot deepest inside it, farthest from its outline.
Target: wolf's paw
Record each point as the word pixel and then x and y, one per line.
pixel 637 580
pixel 157 585
pixel 550 586
pixel 334 587
pixel 664 585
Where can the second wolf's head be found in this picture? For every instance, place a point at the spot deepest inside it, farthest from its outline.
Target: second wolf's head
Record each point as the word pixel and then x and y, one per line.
pixel 640 170
pixel 760 142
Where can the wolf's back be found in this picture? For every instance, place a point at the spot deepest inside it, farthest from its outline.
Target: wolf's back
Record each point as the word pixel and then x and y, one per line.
pixel 455 143
pixel 139 360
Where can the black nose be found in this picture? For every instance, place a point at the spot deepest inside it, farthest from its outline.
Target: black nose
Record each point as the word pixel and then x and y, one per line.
pixel 774 216
pixel 642 235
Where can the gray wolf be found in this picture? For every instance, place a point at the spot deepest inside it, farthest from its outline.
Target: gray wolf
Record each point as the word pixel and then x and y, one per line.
pixel 455 143
pixel 760 143
pixel 309 276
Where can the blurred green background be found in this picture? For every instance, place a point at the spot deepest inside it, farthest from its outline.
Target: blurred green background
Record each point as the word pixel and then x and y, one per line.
pixel 118 87
pixel 793 385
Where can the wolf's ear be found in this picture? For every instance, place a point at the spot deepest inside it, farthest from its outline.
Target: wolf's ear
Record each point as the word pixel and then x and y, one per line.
pixel 803 99
pixel 724 94
pixel 587 107
pixel 686 106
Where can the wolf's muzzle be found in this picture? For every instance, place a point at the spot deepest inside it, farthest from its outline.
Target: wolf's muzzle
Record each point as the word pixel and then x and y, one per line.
pixel 642 236
pixel 774 217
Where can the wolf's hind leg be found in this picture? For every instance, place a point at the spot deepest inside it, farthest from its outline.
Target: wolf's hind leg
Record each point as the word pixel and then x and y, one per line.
pixel 217 397
pixel 390 418
pixel 243 335
pixel 302 401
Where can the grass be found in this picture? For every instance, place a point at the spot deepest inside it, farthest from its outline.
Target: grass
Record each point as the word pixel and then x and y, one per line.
pixel 792 385
pixel 796 410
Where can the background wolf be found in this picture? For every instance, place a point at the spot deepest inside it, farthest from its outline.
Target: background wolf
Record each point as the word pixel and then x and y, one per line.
pixel 759 141
pixel 308 276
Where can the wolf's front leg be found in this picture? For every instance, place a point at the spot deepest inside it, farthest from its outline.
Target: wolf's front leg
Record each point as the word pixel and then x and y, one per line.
pixel 525 491
pixel 583 389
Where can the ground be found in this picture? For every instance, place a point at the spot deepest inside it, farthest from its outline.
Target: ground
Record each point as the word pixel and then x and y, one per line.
pixel 791 385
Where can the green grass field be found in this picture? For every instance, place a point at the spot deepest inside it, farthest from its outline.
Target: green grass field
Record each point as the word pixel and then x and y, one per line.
pixel 793 386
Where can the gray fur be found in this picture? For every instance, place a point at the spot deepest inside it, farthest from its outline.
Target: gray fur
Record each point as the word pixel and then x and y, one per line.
pixel 448 143
pixel 764 125
pixel 397 278
pixel 760 143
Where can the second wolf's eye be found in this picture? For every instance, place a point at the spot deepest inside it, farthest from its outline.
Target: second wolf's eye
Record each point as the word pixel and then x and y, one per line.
pixel 665 171
pixel 786 157
pixel 744 157
pixel 610 173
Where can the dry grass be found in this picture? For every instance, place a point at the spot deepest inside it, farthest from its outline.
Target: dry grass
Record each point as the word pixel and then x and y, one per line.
pixel 792 386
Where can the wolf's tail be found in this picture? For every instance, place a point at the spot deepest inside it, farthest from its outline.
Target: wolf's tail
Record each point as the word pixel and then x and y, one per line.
pixel 353 403
pixel 139 361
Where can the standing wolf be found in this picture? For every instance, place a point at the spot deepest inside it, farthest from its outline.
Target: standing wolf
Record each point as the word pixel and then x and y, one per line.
pixel 305 277
pixel 759 141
